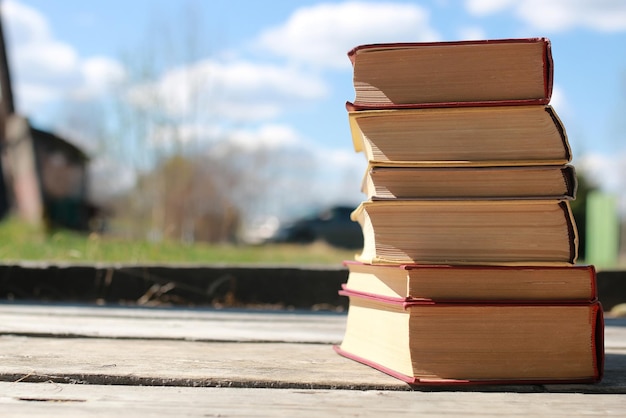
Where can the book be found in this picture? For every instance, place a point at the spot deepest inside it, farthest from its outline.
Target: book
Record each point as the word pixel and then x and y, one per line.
pixel 447 343
pixel 517 182
pixel 467 232
pixel 486 72
pixel 495 135
pixel 462 283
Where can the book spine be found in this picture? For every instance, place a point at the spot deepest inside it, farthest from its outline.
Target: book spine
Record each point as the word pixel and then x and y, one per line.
pixel 548 65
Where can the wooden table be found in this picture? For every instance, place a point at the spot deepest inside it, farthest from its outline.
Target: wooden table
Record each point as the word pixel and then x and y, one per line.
pixel 76 361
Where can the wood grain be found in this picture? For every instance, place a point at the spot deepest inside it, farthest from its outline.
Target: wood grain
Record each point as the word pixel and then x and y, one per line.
pixel 77 361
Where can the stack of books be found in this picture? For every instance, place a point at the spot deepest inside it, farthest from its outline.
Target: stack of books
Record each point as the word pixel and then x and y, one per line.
pixel 467 273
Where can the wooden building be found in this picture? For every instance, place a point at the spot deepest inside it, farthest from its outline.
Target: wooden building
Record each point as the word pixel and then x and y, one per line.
pixel 48 176
pixel 43 177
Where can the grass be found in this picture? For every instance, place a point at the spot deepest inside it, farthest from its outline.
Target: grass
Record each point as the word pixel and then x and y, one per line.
pixel 20 242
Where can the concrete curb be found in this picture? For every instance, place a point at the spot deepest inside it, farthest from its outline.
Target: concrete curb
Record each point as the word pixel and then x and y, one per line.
pixel 284 287
pixel 310 287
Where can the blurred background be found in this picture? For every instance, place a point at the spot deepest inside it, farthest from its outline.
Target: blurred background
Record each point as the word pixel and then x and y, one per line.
pixel 223 122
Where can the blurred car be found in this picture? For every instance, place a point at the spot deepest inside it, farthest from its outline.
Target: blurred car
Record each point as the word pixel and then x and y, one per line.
pixel 332 225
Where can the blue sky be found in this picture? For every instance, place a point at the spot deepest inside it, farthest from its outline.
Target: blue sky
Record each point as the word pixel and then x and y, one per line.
pixel 290 57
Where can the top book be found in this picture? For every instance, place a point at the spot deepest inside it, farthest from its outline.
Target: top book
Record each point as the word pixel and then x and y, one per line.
pixel 461 73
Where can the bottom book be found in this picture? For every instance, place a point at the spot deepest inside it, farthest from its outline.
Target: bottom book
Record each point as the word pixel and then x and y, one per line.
pixel 462 343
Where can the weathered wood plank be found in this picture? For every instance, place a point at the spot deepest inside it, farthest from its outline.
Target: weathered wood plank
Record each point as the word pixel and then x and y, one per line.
pixel 196 324
pixel 187 324
pixel 183 363
pixel 615 333
pixel 210 348
pixel 69 401
pixel 188 363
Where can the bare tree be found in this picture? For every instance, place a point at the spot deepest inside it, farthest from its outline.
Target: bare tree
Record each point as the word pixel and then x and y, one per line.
pixel 191 185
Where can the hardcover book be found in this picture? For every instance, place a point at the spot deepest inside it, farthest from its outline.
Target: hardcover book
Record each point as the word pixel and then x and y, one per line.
pixel 488 72
pixel 468 271
pixel 496 135
pixel 432 183
pixel 463 283
pixel 467 232
pixel 452 343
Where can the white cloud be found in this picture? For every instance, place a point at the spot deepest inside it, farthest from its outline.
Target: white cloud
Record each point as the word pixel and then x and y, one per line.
pixel 26 23
pixel 108 178
pixel 558 15
pixel 45 69
pixel 339 177
pixel 32 95
pixel 271 136
pixel 99 75
pixel 485 7
pixel 184 134
pixel 59 60
pixel 472 32
pixel 39 64
pixel 302 175
pixel 236 90
pixel 223 140
pixel 559 101
pixel 606 171
pixel 322 34
pixel 344 158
